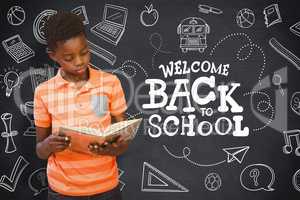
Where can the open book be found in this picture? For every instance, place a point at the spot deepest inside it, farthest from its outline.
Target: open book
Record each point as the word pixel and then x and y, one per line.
pixel 81 137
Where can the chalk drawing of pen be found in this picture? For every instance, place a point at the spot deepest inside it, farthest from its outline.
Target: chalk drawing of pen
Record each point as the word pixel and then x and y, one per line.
pixel 209 9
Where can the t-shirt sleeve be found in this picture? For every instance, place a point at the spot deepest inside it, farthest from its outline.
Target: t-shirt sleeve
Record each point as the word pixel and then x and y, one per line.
pixel 42 117
pixel 118 102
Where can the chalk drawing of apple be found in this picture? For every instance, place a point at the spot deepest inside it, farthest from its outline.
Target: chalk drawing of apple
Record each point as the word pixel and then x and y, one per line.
pixel 149 17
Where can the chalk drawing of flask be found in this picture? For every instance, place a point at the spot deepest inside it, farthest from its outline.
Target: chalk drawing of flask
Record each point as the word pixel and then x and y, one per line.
pixel 8 134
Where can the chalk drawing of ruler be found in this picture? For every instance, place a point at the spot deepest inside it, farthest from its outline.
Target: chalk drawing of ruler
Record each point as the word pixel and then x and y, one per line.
pixel 285 52
pixel 102 53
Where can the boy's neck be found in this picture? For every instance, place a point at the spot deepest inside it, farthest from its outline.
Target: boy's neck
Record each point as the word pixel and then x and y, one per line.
pixel 72 78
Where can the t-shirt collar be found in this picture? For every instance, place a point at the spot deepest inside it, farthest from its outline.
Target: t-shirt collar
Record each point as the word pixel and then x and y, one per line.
pixel 92 82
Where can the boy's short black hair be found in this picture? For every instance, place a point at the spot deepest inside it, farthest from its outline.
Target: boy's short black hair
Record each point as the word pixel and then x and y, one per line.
pixel 61 27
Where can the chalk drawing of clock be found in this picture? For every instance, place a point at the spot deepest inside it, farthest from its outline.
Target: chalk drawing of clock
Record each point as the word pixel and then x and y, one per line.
pixel 39 25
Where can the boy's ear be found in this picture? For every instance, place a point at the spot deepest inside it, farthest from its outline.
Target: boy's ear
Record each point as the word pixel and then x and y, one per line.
pixel 52 55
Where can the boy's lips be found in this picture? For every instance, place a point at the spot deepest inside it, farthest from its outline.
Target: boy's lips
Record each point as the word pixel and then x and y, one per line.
pixel 81 70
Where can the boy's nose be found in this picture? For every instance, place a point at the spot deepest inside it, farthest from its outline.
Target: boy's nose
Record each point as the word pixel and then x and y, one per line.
pixel 78 61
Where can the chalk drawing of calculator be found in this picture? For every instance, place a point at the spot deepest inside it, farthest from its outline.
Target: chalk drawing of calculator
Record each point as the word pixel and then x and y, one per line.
pixel 17 49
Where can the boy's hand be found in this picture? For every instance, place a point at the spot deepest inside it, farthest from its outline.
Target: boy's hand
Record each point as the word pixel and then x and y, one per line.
pixel 57 143
pixel 113 148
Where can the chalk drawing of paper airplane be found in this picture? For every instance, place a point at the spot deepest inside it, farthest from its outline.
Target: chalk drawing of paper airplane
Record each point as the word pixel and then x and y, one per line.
pixel 236 153
pixel 295 29
pixel 154 180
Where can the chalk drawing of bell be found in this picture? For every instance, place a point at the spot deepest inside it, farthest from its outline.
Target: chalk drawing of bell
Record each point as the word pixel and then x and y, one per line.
pixel 27 110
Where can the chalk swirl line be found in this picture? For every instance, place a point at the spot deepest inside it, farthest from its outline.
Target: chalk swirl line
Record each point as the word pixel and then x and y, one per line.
pixel 186 151
pixel 238 55
pixel 261 110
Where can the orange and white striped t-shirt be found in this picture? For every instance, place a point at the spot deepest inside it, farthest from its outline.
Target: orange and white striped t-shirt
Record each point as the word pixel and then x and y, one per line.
pixel 58 103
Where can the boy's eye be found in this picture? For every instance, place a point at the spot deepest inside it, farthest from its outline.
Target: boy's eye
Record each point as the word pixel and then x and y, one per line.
pixel 68 59
pixel 84 53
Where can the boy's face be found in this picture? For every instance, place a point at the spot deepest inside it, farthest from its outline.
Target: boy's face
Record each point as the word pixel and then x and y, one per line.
pixel 72 55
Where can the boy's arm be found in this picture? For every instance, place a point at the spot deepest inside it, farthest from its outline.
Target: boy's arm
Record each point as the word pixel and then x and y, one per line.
pixel 47 143
pixel 42 150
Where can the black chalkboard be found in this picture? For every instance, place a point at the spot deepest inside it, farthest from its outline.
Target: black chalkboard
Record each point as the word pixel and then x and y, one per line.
pixel 249 47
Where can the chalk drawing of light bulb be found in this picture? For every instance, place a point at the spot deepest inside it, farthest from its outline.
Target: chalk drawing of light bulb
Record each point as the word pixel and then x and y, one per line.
pixel 11 80
pixel 8 133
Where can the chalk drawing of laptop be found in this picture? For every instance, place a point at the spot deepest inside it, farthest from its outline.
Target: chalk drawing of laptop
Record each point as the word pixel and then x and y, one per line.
pixel 112 26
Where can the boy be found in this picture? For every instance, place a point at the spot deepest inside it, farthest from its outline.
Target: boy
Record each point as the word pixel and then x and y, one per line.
pixel 77 96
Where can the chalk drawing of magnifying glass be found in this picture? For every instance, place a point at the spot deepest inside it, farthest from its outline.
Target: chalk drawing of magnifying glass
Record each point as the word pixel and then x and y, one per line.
pixel 277 81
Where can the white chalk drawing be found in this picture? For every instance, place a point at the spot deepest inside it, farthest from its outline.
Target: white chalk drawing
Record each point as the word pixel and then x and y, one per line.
pixel 287 135
pixel 39 75
pixel 81 12
pixel 129 67
pixel 296 29
pixel 236 153
pixel 39 25
pixel 209 9
pixel 261 104
pixel 296 180
pixel 257 177
pixel 113 24
pixel 277 81
pixel 8 133
pixel 102 53
pixel 157 48
pixel 27 111
pixel 193 33
pixel 153 180
pixel 249 44
pixel 272 15
pixel 122 184
pixel 233 154
pixel 213 182
pixel 16 15
pixel 37 181
pixel 279 48
pixel 149 17
pixel 245 18
pixel 254 173
pixel 17 49
pixel 10 183
pixel 295 103
pixel 132 116
pixel 11 80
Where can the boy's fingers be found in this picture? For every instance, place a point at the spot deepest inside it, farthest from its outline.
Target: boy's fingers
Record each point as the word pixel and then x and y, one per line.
pixel 60 138
pixel 115 145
